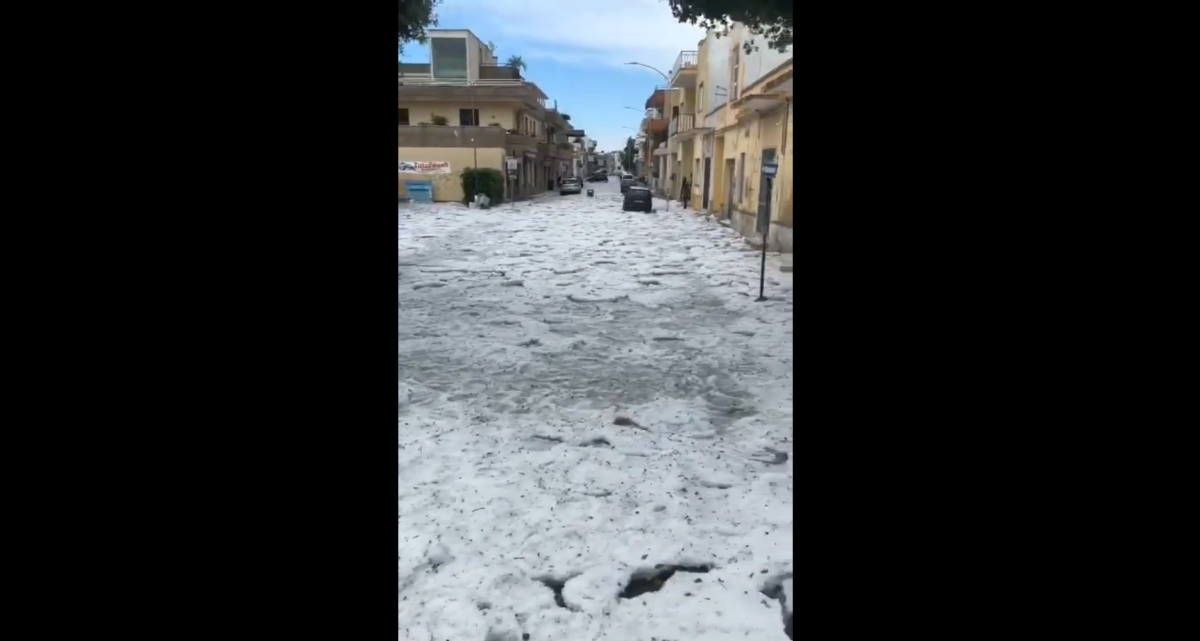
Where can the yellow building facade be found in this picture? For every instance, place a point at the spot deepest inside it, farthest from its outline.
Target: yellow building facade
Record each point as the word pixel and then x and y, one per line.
pixel 745 100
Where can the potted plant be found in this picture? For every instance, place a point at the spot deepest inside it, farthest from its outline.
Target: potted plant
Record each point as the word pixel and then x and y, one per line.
pixel 494 124
pixel 438 120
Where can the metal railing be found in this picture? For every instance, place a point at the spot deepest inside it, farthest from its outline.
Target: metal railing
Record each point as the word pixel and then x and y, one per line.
pixel 686 60
pixel 680 124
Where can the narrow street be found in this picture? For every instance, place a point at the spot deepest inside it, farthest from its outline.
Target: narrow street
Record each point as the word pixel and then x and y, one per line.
pixel 595 426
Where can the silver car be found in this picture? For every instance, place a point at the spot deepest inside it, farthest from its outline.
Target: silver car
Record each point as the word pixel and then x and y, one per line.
pixel 570 186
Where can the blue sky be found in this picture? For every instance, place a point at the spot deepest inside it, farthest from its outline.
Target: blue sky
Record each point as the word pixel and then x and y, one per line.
pixel 576 53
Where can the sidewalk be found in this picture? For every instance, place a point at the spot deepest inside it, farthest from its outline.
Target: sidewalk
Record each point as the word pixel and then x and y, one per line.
pixel 777 262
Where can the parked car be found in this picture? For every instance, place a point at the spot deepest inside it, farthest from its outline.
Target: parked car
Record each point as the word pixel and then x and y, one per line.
pixel 570 186
pixel 626 183
pixel 637 198
pixel 598 178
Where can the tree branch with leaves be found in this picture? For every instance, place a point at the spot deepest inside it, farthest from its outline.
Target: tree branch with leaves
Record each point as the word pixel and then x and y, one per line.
pixel 769 19
pixel 416 16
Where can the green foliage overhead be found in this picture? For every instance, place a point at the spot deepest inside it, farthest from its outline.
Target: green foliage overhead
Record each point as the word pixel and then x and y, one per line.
pixel 770 19
pixel 415 17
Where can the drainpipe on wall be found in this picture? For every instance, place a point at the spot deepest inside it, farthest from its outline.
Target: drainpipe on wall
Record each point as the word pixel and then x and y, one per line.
pixel 787 104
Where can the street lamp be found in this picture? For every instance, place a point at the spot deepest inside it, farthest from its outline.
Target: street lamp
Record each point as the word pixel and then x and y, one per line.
pixel 665 77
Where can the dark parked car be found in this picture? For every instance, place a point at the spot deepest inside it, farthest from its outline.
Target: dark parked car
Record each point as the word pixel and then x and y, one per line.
pixel 626 183
pixel 598 178
pixel 570 186
pixel 637 199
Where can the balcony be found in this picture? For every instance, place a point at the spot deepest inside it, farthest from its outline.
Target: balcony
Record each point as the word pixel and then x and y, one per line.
pixel 657 99
pixel 683 74
pixel 447 136
pixel 516 140
pixel 416 70
pixel 555 119
pixel 681 124
pixel 498 72
pixel 424 88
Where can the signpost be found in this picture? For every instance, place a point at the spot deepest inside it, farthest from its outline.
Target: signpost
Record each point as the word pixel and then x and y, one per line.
pixel 512 164
pixel 769 169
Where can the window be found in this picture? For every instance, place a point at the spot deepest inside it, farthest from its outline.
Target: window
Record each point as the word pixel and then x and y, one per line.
pixel 468 117
pixel 737 55
pixel 449 57
pixel 404 117
pixel 700 101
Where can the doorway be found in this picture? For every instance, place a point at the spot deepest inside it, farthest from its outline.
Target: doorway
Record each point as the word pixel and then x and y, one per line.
pixel 728 183
pixel 707 183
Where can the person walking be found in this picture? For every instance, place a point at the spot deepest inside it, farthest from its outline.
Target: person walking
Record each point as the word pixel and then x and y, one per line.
pixel 685 190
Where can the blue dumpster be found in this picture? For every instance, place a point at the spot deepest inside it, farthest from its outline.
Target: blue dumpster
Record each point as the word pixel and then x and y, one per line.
pixel 419 191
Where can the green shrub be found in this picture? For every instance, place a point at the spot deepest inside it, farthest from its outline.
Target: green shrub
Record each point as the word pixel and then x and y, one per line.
pixel 483 180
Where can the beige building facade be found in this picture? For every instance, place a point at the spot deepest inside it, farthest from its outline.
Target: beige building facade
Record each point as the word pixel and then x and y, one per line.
pixel 465 109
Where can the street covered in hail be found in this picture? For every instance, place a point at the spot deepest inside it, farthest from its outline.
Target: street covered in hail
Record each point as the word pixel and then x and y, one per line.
pixel 595 425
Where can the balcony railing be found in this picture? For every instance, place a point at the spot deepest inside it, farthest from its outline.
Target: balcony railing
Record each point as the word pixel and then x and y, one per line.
pixel 498 72
pixel 415 69
pixel 685 61
pixel 460 82
pixel 681 123
pixel 447 136
pixel 518 138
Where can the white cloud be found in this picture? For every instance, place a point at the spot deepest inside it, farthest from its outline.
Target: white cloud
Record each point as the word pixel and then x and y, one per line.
pixel 610 32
